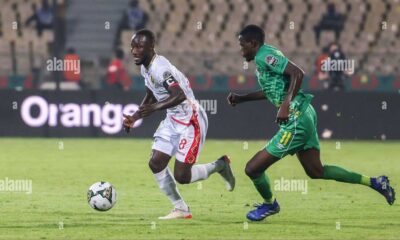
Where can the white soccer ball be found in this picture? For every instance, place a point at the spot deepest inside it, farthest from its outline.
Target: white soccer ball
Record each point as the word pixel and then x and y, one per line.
pixel 102 196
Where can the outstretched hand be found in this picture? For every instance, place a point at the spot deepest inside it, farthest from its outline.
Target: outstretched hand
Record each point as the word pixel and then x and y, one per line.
pixel 128 122
pixel 233 99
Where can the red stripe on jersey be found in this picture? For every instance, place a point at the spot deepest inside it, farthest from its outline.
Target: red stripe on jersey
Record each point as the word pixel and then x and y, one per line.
pixel 173 85
pixel 176 120
pixel 194 148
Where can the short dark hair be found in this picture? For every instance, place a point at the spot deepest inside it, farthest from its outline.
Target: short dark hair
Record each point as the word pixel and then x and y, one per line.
pixel 148 34
pixel 253 32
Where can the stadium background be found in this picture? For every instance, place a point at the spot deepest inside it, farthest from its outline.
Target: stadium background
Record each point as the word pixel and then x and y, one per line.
pixel 199 37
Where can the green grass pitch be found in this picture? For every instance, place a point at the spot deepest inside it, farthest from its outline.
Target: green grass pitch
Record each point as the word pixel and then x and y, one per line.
pixel 61 171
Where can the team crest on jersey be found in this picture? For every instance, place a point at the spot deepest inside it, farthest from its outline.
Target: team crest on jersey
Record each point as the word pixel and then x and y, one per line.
pixel 271 60
pixel 167 75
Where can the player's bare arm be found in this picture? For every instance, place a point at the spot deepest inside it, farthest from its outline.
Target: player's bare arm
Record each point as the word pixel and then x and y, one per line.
pixel 234 98
pixel 176 97
pixel 150 105
pixel 129 121
pixel 296 77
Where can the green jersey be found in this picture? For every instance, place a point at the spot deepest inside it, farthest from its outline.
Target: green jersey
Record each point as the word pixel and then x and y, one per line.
pixel 300 132
pixel 271 64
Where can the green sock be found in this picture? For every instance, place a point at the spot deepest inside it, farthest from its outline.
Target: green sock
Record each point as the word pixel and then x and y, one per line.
pixel 343 175
pixel 264 188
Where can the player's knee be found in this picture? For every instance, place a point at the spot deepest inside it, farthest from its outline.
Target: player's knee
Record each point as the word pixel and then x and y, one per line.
pixel 155 168
pixel 182 178
pixel 249 170
pixel 316 174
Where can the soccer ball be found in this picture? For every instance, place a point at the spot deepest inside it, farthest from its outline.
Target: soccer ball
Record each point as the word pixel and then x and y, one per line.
pixel 102 196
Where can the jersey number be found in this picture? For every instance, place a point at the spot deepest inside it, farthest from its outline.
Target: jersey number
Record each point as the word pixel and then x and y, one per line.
pixel 182 143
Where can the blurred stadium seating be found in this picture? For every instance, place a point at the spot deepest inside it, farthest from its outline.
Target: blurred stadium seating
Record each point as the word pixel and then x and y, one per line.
pixel 363 39
pixel 20 48
pixel 199 36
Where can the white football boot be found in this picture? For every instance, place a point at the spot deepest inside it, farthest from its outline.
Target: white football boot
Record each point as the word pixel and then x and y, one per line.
pixel 177 214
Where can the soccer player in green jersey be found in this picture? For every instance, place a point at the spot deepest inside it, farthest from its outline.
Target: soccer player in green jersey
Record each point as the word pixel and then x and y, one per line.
pixel 280 81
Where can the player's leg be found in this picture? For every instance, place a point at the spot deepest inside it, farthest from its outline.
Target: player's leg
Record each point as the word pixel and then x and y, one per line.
pixel 186 173
pixel 190 144
pixel 182 172
pixel 309 157
pixel 159 166
pixel 311 162
pixel 163 148
pixel 255 169
pixel 158 161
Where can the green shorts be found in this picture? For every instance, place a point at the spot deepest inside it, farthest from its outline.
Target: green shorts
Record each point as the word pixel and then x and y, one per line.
pixel 300 133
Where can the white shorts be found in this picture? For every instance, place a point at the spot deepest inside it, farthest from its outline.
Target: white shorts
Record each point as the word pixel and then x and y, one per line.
pixel 182 139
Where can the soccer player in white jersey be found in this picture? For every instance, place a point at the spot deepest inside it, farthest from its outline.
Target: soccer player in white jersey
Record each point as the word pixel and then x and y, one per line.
pixel 182 133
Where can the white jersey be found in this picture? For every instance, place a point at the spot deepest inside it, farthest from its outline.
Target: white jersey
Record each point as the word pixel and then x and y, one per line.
pixel 184 130
pixel 161 75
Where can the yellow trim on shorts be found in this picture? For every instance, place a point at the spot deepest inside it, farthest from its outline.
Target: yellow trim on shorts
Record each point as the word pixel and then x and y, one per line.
pixel 287 138
pixel 283 137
